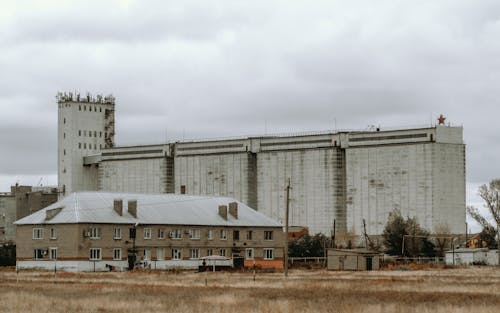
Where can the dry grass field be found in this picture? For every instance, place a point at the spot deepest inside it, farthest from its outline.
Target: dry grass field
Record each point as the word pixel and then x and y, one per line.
pixel 433 290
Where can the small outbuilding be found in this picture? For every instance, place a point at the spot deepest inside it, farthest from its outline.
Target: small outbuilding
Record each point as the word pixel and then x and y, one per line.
pixel 468 256
pixel 353 260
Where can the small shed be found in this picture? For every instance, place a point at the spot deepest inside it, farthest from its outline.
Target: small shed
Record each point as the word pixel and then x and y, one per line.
pixel 464 256
pixel 353 260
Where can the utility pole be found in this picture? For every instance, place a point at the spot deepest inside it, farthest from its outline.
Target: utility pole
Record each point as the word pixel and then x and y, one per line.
pixel 287 206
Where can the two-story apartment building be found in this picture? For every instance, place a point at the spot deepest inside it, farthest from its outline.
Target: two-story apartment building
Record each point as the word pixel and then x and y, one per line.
pixel 90 231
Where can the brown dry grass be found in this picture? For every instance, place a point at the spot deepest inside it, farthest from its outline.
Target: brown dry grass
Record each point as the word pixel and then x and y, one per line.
pixel 449 290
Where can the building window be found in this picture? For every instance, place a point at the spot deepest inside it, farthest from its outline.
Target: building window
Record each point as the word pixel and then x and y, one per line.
pixel 85 108
pixel 37 233
pixel 53 253
pixel 268 235
pixel 147 254
pixel 176 234
pixel 194 253
pixel 222 252
pixel 79 108
pixel 100 134
pixel 64 121
pixel 79 133
pixel 161 233
pixel 90 133
pixel 160 254
pixel 236 235
pixel 210 252
pixel 147 233
pixel 64 151
pixel 95 233
pixel 249 253
pixel 176 254
pixel 268 254
pixel 183 189
pixel 95 133
pixel 79 145
pixel 53 233
pixel 64 135
pixel 223 234
pixel 84 145
pixel 194 234
pixel 38 254
pixel 95 254
pixel 117 253
pixel 210 234
pixel 249 235
pixel 117 233
pixel 95 146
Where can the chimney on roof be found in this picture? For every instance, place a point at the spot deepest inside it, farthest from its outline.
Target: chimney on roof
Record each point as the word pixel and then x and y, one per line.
pixel 233 209
pixel 132 208
pixel 118 206
pixel 223 211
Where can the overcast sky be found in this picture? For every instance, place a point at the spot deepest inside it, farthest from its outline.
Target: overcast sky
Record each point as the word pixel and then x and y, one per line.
pixel 201 69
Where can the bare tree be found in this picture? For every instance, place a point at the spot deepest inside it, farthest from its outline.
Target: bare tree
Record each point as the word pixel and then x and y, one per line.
pixel 491 195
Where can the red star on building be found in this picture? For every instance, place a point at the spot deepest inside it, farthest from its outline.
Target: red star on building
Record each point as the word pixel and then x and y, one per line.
pixel 441 119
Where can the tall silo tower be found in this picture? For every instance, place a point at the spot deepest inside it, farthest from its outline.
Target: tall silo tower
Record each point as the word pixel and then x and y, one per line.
pixel 86 124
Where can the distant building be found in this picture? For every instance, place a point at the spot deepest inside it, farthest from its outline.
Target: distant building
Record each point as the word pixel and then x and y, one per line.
pixel 470 256
pixel 346 177
pixel 95 231
pixel 353 260
pixel 20 202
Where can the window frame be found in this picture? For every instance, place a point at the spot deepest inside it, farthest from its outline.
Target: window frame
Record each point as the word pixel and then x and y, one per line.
pixel 194 253
pixel 268 235
pixel 39 233
pixel 115 250
pixel 223 252
pixel 210 234
pixel 249 235
pixel 194 234
pixel 95 233
pixel 223 234
pixel 160 256
pixel 117 233
pixel 147 233
pixel 95 254
pixel 161 233
pixel 53 233
pixel 176 253
pixel 251 255
pixel 176 234
pixel 266 255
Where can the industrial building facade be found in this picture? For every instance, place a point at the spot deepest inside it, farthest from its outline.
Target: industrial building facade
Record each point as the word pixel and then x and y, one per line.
pixel 346 177
pixel 96 231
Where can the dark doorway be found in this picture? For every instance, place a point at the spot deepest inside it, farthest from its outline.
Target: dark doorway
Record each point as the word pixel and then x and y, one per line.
pixel 369 262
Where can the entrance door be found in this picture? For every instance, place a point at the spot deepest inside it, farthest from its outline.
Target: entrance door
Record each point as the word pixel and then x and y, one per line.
pixel 369 262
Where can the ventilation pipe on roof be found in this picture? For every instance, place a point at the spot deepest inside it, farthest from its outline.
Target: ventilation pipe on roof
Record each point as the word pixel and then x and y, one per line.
pixel 233 209
pixel 223 211
pixel 132 208
pixel 118 206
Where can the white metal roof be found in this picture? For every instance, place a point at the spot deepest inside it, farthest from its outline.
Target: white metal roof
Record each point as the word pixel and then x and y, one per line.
pixel 97 207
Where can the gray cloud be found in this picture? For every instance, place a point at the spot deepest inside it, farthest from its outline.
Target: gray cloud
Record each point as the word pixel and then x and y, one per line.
pixel 197 69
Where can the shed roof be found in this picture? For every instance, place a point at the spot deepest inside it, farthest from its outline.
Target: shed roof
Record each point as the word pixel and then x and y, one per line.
pixel 170 209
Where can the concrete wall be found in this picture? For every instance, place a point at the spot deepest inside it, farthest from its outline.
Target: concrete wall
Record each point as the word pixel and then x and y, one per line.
pixel 231 174
pixel 7 217
pixel 425 180
pixel 316 177
pixel 85 126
